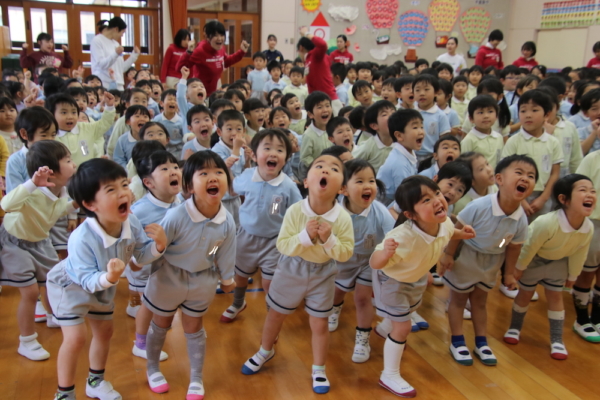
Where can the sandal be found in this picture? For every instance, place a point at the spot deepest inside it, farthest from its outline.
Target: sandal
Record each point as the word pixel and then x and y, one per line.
pixel 512 336
pixel 485 354
pixel 558 351
pixel 461 355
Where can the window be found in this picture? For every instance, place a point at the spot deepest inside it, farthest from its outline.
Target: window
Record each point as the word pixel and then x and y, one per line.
pixel 145 27
pixel 38 24
pixel 88 28
pixel 16 16
pixel 60 30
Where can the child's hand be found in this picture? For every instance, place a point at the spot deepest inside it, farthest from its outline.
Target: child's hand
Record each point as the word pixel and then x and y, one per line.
pixel 324 231
pixel 238 142
pixel 78 73
pixel 111 73
pixel 157 233
pixel 65 47
pixel 41 177
pixel 108 99
pixel 303 30
pixel 151 112
pixel 569 284
pixel 445 264
pixel 312 228
pixel 247 153
pixel 27 75
pixel 119 50
pixel 537 205
pixel 25 46
pixel 527 208
pixel 187 154
pixel 510 281
pixel 467 232
pixel 244 46
pixel 114 268
pixel 517 274
pixel 71 225
pixel 185 72
pixel 389 247
pixel 596 128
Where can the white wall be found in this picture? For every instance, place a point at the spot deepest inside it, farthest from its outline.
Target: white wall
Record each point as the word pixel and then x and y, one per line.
pixel 167 36
pixel 278 17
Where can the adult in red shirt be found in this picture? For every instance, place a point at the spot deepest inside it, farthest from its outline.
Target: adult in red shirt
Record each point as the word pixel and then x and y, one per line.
pixel 595 62
pixel 489 55
pixel 209 59
pixel 169 74
pixel 38 61
pixel 528 51
pixel 317 72
pixel 341 55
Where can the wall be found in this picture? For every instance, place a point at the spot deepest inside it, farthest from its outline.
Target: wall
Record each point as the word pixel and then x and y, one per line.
pixel 278 17
pixel 365 37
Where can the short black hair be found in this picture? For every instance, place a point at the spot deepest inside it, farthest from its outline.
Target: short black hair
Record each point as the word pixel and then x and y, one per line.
pixel 350 66
pixel 306 43
pixel 536 97
pixel 363 65
pixel 426 78
pixel 429 71
pixel 231 93
pixel 454 169
pixel 43 36
pixel 33 118
pixel 88 180
pixel 77 91
pixel 53 85
pixel 529 46
pixel 273 64
pixel 60 98
pixel 143 148
pixel 7 102
pixel 180 36
pixel 199 161
pixel 389 82
pixel 230 115
pixel 339 70
pixel 132 91
pixel 373 111
pixel 90 78
pixel 136 109
pixel 380 74
pixel 445 67
pixel 589 99
pixel 271 36
pixel 335 151
pixel 334 123
pixel 555 82
pixel 168 92
pixel 297 70
pixel 286 98
pixel 496 34
pixel 482 101
pixel 445 138
pixel 213 28
pixel 542 68
pixel 142 83
pixel 279 109
pixel 271 133
pixel 400 119
pixel 46 153
pixel 409 193
pixel 460 78
pixel 315 98
pixel 259 54
pixel 360 84
pixel 345 110
pixel 552 93
pixel 357 117
pixel 564 186
pixel 197 109
pixel 507 161
pixel 403 81
pixel 221 103
pixel 146 166
pixel 89 89
pixel 150 124
pixel 421 61
pixel 475 68
pixel 356 165
pixel 509 70
pixel 192 80
pixel 445 86
pixel 251 105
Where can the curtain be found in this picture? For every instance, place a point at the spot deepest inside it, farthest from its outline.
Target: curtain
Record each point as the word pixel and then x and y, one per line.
pixel 178 10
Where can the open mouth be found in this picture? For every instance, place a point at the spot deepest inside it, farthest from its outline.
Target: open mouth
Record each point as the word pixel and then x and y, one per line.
pixel 440 212
pixel 588 204
pixel 123 208
pixel 140 125
pixel 521 188
pixel 411 98
pixel 272 164
pixel 323 183
pixel 447 199
pixel 260 121
pixel 298 108
pixel 282 125
pixel 213 190
pixel 156 93
pixel 366 196
pixel 204 132
pixel 174 183
pixel 420 141
pixel 171 107
pixel 325 116
pixel 200 95
pixel 449 158
pixel 347 142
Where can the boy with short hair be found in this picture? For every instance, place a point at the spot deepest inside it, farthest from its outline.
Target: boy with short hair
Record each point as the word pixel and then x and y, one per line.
pixel 460 103
pixel 388 93
pixel 298 115
pixel 133 97
pixel 259 76
pixel 483 111
pixel 172 120
pixel 509 77
pixel 135 117
pixel 421 64
pixel 275 82
pixel 445 150
pixel 297 87
pixel 378 77
pixel 407 134
pixel 376 149
pixel 254 112
pixel 338 71
pixel 363 93
pixel 435 120
pixel 340 133
pixel 200 122
pixel 147 87
pixel 404 91
pixel 315 139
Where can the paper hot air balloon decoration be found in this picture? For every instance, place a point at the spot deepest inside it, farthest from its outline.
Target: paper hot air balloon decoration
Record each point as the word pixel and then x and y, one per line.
pixel 443 15
pixel 413 26
pixel 474 24
pixel 382 14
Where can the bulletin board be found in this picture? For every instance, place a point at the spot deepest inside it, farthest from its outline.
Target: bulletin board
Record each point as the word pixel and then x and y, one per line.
pixel 567 40
pixel 384 31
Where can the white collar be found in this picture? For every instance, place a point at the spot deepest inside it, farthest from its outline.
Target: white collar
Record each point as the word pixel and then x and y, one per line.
pixel 580 113
pixel 432 110
pixel 378 142
pixel 52 196
pixel 412 156
pixel 489 46
pixel 222 143
pixel 455 100
pixel 330 216
pixel 108 240
pixel 481 135
pixel 561 123
pixel 527 136
pixel 198 146
pixel 273 182
pixel 176 118
pixel 160 203
pixel 24 150
pixel 317 130
pixel 427 237
pixel 74 131
pixel 365 212
pixel 497 211
pixel 197 216
pixel 130 137
pixel 474 195
pixel 566 227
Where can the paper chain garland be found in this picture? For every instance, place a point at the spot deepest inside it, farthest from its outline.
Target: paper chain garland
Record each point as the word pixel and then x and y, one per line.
pixel 382 13
pixel 443 14
pixel 413 26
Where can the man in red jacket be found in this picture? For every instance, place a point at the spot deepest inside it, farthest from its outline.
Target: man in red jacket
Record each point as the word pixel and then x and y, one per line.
pixel 317 64
pixel 489 55
pixel 38 61
pixel 209 59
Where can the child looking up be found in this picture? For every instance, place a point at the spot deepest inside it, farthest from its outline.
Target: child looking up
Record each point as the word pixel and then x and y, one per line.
pixel 483 178
pixel 376 149
pixel 445 150
pixel 363 93
pixel 388 93
pixel 400 273
pixel 131 97
pixel 297 87
pixel 435 121
pixel 173 121
pixel 200 122
pixel 260 221
pixel 553 256
pixel 340 133
pixel 501 227
pixel 316 232
pixel 315 139
pixel 483 112
pixel 298 115
pixel 136 117
pixel 254 112
pixel 404 91
pixel 407 133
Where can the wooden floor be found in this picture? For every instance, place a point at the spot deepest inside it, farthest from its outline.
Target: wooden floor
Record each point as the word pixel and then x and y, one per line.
pixel 525 371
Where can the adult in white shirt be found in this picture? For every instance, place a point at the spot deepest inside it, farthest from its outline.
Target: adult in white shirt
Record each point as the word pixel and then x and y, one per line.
pixel 456 60
pixel 106 52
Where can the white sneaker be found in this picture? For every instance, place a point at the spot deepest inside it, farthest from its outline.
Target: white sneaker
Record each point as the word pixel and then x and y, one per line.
pixel 51 322
pixel 507 292
pixel 466 314
pixel 195 391
pixel 30 348
pixel 397 385
pixel 334 318
pixel 383 328
pixel 142 353
pixel 103 391
pixel 132 311
pixel 40 312
pixel 535 297
pixel 466 311
pixel 362 348
pixel 437 280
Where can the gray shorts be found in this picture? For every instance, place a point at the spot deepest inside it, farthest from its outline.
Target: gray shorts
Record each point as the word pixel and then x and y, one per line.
pixel 551 274
pixel 544 210
pixel 71 304
pixel 296 279
pixel 25 263
pixel 355 270
pixel 138 279
pixel 593 258
pixel 253 252
pixel 59 233
pixel 233 206
pixel 396 300
pixel 473 269
pixel 170 288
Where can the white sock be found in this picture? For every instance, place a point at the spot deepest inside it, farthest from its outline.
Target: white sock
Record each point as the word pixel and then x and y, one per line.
pixel 386 324
pixel 392 355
